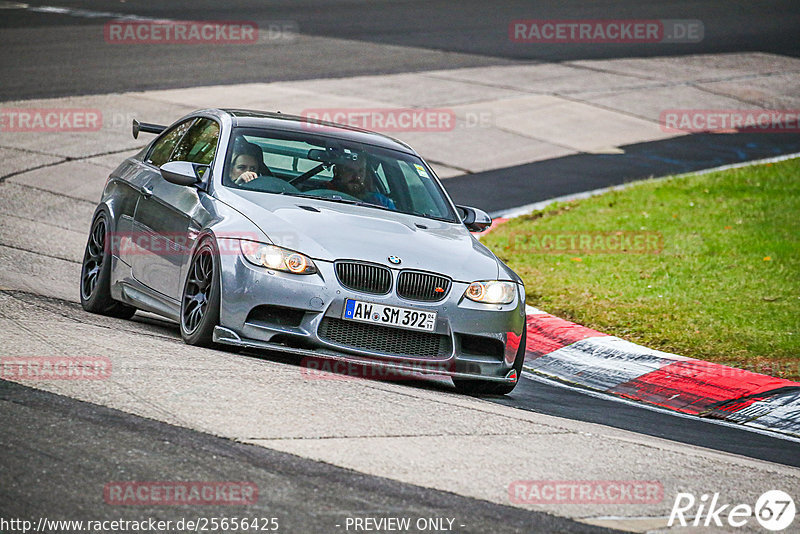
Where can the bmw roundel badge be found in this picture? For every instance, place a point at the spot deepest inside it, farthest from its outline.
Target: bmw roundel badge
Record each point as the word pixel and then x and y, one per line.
pixel 395 260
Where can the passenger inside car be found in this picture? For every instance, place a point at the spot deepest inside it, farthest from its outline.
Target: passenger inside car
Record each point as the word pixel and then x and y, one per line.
pixel 354 178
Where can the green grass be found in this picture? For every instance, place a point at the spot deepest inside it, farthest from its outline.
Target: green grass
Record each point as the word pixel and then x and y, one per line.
pixel 724 288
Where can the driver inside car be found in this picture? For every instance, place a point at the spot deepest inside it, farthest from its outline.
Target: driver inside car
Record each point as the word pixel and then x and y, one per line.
pixel 246 162
pixel 351 178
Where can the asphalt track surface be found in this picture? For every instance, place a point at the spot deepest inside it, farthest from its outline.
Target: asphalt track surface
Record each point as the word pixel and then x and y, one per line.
pixel 586 172
pixel 49 55
pixel 45 54
pixel 542 397
pixel 79 447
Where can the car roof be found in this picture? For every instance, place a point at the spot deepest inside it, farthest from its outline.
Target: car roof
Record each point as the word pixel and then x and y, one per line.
pixel 279 121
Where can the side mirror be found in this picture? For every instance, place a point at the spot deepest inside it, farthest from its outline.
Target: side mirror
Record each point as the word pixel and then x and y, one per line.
pixel 183 172
pixel 474 219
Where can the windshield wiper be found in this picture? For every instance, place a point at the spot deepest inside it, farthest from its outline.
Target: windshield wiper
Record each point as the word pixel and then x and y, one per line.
pixel 433 217
pixel 351 202
pixel 339 199
pixel 342 200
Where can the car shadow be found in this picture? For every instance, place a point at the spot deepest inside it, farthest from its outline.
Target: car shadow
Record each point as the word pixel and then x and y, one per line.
pixel 309 367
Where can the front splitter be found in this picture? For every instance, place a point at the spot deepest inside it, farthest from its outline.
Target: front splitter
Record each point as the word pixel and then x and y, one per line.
pixel 229 337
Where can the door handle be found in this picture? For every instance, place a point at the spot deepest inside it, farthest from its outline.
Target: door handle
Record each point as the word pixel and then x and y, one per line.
pixel 147 192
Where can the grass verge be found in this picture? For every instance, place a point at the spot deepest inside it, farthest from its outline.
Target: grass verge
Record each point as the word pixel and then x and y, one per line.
pixel 724 286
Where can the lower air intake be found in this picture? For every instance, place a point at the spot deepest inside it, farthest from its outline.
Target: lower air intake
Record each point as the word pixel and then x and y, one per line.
pixel 384 339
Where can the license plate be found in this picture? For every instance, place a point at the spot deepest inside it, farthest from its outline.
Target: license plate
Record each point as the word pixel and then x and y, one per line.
pixel 370 312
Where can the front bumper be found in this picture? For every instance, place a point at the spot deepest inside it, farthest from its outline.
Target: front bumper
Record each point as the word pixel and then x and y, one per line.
pixel 301 311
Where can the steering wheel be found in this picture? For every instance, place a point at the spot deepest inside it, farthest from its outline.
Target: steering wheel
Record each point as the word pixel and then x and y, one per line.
pixel 269 184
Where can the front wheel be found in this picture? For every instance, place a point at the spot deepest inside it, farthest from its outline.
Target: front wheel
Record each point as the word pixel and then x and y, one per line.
pixel 486 387
pixel 200 300
pixel 96 274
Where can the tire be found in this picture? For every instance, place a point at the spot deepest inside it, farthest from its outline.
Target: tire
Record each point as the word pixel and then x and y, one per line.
pixel 200 297
pixel 486 387
pixel 96 274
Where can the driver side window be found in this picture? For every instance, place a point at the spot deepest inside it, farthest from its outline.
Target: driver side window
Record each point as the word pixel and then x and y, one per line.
pixel 162 149
pixel 199 144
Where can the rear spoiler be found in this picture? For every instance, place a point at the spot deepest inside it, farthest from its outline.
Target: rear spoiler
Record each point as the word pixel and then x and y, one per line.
pixel 147 128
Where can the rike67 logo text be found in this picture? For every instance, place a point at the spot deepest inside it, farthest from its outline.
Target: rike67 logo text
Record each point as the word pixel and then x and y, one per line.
pixel 774 510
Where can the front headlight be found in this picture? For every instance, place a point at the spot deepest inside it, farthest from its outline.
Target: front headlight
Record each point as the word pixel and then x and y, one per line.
pixel 492 292
pixel 276 258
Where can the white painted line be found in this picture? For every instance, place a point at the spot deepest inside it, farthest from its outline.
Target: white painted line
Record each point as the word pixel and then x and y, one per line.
pixel 739 165
pixel 510 213
pixel 605 396
pixel 536 206
pixel 78 12
pixel 265 35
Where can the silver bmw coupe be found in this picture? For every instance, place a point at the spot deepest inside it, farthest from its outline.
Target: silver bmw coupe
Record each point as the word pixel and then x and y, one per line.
pixel 276 232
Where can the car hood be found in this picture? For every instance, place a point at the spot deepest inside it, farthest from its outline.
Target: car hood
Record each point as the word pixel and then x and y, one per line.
pixel 332 231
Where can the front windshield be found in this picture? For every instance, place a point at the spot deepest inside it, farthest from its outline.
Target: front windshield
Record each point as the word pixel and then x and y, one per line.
pixel 333 170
